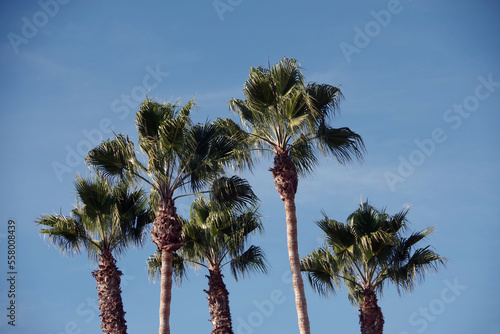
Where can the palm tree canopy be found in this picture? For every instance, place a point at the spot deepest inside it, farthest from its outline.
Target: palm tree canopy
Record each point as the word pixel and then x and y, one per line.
pixel 179 154
pixel 106 216
pixel 368 251
pixel 217 232
pixel 284 114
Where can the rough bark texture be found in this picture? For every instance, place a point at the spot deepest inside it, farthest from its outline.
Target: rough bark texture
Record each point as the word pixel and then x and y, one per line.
pixel 218 303
pixel 286 181
pixel 167 230
pixel 109 295
pixel 285 176
pixel 166 291
pixel 166 233
pixel 370 314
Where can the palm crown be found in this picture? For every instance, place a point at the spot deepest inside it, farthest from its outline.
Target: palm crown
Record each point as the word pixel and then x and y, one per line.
pixel 179 154
pixel 106 218
pixel 368 251
pixel 284 114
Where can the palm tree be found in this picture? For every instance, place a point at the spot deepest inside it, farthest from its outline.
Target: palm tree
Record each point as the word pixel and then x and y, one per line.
pixel 216 237
pixel 289 119
pixel 366 252
pixel 180 157
pixel 106 220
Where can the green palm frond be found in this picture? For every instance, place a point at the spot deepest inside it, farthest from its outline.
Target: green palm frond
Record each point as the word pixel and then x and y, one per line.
pixel 326 99
pixel 232 191
pixel 343 144
pixel 242 226
pixel 115 158
pixel 285 76
pixel 301 153
pixel 398 222
pixel 151 116
pixel 413 270
pixel 95 193
pixel 338 236
pixel 241 157
pixel 355 295
pixel 320 271
pixel 66 233
pixel 251 260
pixel 133 213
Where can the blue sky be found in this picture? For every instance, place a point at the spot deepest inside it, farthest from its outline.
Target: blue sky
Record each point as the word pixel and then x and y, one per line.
pixel 421 81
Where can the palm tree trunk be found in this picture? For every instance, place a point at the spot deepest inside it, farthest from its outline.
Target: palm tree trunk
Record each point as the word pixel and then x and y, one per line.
pixel 218 303
pixel 166 234
pixel 109 295
pixel 167 230
pixel 286 181
pixel 370 317
pixel 293 256
pixel 166 291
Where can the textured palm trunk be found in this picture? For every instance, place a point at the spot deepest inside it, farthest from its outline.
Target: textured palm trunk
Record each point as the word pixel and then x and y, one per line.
pixel 286 181
pixel 166 291
pixel 166 234
pixel 218 303
pixel 370 314
pixel 109 295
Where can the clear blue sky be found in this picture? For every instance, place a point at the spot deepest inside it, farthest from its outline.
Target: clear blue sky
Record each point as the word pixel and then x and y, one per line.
pixel 421 81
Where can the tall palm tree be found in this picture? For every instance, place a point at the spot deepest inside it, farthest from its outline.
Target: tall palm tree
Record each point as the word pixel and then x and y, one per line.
pixel 215 237
pixel 289 119
pixel 180 157
pixel 107 219
pixel 366 252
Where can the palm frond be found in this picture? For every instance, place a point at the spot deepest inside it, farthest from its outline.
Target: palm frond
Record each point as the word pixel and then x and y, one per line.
pixel 319 272
pixel 151 116
pixel 241 156
pixel 342 143
pixel 421 262
pixel 301 152
pixel 338 235
pixel 252 260
pixel 95 193
pixel 115 158
pixel 66 233
pixel 326 99
pixel 232 191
